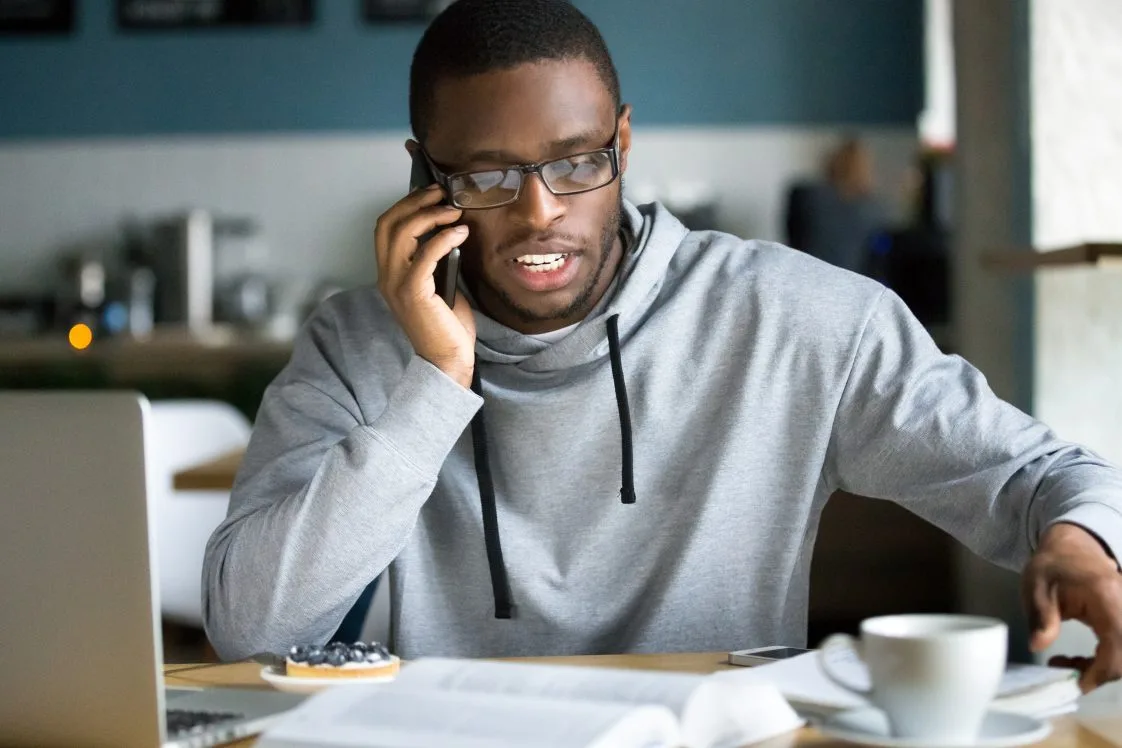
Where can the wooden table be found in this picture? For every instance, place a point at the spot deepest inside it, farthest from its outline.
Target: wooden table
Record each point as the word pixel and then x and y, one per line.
pixel 1066 733
pixel 215 475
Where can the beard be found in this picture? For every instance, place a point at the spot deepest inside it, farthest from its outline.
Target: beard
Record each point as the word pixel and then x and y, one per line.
pixel 584 301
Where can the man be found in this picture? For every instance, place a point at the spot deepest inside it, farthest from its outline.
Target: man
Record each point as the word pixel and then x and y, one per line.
pixel 622 436
pixel 836 218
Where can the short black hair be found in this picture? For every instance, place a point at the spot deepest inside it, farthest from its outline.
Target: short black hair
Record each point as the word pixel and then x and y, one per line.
pixel 477 36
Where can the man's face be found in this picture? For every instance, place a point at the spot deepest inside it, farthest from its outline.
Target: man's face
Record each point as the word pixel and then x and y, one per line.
pixel 543 261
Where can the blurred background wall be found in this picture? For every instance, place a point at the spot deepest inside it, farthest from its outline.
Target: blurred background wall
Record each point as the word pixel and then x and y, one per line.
pixel 1038 163
pixel 302 128
pixel 301 131
pixel 1077 197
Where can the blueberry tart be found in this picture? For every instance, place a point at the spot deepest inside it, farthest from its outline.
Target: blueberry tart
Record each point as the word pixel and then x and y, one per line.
pixel 341 660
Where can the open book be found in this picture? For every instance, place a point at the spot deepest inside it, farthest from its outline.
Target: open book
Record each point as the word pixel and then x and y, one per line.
pixel 477 703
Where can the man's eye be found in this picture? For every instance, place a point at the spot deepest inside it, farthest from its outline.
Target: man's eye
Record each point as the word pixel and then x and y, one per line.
pixel 584 158
pixel 485 180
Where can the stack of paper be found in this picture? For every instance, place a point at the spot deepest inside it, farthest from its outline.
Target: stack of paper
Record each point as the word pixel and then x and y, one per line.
pixel 1031 690
pixel 1101 711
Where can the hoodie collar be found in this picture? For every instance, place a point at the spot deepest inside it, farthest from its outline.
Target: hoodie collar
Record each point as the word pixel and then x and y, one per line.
pixel 654 237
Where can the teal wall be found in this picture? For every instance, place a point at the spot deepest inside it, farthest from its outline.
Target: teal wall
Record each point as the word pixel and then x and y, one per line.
pixel 795 62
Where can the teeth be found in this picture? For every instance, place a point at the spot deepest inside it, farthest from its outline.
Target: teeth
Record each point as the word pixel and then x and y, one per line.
pixel 539 259
pixel 541 263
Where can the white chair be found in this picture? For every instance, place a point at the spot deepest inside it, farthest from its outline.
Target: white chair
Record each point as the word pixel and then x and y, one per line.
pixel 184 433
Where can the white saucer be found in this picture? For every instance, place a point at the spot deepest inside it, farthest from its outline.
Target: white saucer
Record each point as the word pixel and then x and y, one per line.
pixel 276 677
pixel 868 726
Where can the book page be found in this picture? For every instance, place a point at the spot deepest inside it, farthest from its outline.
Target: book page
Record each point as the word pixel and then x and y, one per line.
pixel 671 690
pixel 723 714
pixel 711 712
pixel 388 716
pixel 801 680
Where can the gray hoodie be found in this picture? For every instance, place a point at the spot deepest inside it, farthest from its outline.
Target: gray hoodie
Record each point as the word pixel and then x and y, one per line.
pixel 731 385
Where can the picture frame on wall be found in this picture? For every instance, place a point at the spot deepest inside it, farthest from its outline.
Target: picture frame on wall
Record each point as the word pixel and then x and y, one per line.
pixel 152 15
pixel 389 11
pixel 35 17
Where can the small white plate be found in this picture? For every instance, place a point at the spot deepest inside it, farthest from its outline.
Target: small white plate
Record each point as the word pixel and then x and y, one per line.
pixel 276 677
pixel 868 726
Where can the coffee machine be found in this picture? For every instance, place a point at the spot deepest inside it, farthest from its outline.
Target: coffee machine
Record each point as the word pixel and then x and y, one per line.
pixel 208 269
pixel 182 260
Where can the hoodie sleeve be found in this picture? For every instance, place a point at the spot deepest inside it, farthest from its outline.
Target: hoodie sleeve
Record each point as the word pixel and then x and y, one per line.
pixel 325 499
pixel 924 429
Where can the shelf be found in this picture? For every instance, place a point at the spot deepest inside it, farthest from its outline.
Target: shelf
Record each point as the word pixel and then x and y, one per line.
pixel 1028 260
pixel 167 347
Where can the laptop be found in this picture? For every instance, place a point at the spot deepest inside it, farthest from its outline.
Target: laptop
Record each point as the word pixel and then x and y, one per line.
pixel 80 645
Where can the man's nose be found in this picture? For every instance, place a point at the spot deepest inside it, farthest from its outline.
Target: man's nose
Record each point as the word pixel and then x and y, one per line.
pixel 537 208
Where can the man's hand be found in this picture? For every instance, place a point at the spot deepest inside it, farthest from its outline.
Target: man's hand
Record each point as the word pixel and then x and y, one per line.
pixel 1072 576
pixel 444 337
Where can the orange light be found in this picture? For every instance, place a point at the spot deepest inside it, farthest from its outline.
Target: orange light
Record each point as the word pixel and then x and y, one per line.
pixel 80 336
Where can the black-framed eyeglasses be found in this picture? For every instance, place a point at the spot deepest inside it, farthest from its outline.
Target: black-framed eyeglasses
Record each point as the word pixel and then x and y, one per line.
pixel 493 188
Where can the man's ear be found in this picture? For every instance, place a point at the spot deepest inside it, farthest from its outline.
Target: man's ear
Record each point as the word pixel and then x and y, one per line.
pixel 412 146
pixel 624 136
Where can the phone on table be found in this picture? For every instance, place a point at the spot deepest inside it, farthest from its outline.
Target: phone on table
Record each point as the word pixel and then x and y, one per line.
pixel 764 655
pixel 448 267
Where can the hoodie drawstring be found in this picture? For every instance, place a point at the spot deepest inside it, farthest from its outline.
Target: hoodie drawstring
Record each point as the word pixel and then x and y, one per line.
pixel 500 584
pixel 627 490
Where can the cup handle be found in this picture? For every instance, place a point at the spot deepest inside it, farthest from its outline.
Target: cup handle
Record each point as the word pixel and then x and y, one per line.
pixel 835 643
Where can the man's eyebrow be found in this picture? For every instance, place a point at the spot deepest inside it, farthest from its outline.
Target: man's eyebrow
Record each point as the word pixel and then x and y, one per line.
pixel 590 139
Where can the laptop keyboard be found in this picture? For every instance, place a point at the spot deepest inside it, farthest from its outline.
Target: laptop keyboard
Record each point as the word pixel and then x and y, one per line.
pixel 182 722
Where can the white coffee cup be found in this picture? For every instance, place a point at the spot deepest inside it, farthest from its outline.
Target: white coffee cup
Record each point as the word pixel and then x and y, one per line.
pixel 933 676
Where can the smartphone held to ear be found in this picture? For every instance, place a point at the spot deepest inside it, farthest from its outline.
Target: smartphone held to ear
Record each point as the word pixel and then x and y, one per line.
pixel 448 267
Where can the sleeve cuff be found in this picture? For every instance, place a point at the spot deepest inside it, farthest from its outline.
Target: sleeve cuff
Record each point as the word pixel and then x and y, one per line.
pixel 425 415
pixel 1104 522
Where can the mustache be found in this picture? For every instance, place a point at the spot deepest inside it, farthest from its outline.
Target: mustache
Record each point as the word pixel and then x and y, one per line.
pixel 534 237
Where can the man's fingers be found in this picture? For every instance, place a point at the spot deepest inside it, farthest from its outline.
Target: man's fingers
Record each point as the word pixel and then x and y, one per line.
pixel 1072 576
pixel 384 230
pixel 405 239
pixel 427 255
pixel 1042 601
pixel 1107 665
pixel 1103 613
pixel 1072 663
